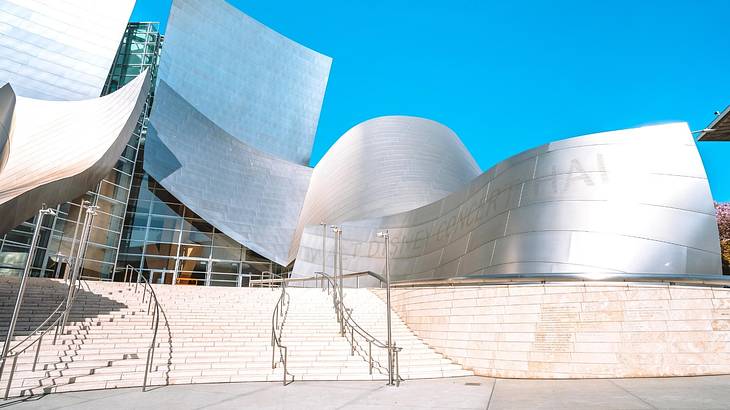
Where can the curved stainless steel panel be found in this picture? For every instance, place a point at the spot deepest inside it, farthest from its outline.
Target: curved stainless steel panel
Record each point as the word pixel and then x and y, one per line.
pixel 385 166
pixel 58 150
pixel 235 114
pixel 251 81
pixel 634 201
pixel 249 195
pixel 7 106
pixel 60 50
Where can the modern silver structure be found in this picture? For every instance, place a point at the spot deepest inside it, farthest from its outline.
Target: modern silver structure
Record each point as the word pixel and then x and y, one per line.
pixel 227 194
pixel 634 201
pixel 385 166
pixel 255 84
pixel 57 150
pixel 235 114
pixel 60 50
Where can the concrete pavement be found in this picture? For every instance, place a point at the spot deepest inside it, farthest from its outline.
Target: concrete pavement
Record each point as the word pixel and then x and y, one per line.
pixel 711 392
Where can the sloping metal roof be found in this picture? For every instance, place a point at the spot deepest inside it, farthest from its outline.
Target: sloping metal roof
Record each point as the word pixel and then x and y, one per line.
pixel 719 128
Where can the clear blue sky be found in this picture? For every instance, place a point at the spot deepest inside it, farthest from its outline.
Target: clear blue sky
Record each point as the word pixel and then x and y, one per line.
pixel 510 75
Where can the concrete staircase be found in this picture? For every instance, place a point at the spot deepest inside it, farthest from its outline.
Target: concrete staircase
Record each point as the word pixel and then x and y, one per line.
pixel 206 335
pixel 417 360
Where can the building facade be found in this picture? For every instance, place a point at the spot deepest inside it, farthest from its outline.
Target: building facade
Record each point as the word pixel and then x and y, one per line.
pixel 139 50
pixel 214 187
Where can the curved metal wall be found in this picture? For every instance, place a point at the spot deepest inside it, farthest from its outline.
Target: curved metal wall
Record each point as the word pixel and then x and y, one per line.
pixel 60 50
pixel 7 106
pixel 251 81
pixel 58 150
pixel 634 201
pixel 249 195
pixel 385 166
pixel 231 130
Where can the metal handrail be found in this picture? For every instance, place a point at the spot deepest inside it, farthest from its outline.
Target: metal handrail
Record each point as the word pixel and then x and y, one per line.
pixel 284 298
pixel 12 352
pixel 155 316
pixel 525 278
pixel 348 321
pixel 271 281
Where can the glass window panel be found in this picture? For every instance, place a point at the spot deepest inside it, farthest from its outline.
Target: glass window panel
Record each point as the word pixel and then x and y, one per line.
pixel 198 238
pixel 254 257
pixel 231 254
pixel 157 263
pixel 140 208
pixel 254 269
pixel 161 208
pixel 161 249
pixel 194 251
pixel 114 208
pixel 161 235
pixel 224 267
pixel 99 253
pixel 165 222
pixel 131 246
pixel 97 270
pixel 126 259
pixel 19 237
pixel 223 240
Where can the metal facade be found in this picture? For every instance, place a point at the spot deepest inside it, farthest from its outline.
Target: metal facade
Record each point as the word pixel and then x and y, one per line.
pixel 252 82
pixel 251 196
pixel 385 166
pixel 60 149
pixel 232 127
pixel 634 201
pixel 60 50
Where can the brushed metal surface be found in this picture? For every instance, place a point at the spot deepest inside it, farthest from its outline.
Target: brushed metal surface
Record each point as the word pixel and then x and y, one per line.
pixel 632 201
pixel 60 149
pixel 384 166
pixel 60 50
pixel 232 127
pixel 251 196
pixel 252 82
pixel 7 107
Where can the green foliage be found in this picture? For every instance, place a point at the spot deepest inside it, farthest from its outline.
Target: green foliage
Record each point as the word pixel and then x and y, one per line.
pixel 723 225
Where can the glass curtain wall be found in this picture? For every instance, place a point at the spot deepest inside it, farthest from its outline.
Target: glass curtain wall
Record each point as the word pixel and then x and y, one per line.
pixel 170 243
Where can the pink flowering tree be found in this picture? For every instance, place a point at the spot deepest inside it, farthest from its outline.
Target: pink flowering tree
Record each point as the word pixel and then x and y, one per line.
pixel 723 223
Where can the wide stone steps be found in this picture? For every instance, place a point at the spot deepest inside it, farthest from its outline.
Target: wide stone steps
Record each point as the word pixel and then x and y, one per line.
pixel 205 335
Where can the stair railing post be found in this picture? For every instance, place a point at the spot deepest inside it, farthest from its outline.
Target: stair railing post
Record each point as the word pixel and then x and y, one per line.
pixel 370 355
pixel 38 351
pixel 10 377
pixel 324 253
pixel 78 261
pixel 385 235
pixel 342 278
pixel 24 282
pixel 71 263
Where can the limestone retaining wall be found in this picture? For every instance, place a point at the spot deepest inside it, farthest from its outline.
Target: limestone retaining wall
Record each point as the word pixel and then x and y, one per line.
pixel 591 330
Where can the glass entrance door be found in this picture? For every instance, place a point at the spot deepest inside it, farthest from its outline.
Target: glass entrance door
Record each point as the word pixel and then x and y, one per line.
pixel 192 272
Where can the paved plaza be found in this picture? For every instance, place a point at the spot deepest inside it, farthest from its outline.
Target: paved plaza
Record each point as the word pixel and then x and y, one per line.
pixel 710 392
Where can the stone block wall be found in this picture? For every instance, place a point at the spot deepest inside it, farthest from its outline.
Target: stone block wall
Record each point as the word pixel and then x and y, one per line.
pixel 582 330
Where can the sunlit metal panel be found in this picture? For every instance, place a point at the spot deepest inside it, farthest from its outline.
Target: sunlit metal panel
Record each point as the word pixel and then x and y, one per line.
pixel 634 201
pixel 60 50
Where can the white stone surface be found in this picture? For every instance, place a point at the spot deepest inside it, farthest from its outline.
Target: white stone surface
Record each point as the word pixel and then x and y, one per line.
pixel 574 330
